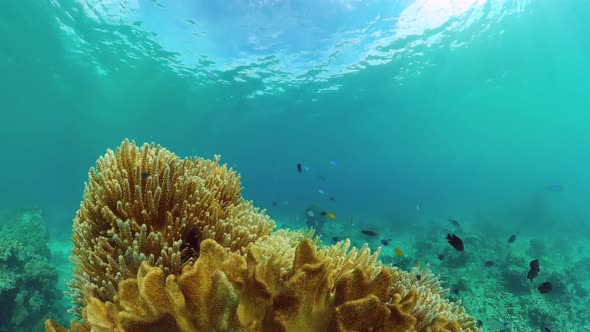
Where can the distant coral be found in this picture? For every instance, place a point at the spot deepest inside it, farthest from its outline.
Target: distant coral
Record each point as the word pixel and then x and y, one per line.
pixel 169 244
pixel 28 283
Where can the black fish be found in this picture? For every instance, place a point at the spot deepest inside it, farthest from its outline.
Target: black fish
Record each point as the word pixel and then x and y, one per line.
pixel 145 175
pixel 324 213
pixel 545 288
pixel 299 168
pixel 440 256
pixel 454 222
pixel 489 263
pixel 512 238
pixel 455 242
pixel 418 277
pixel 534 271
pixel 335 239
pixel 274 203
pixel 368 232
pixel 331 198
pixel 546 329
pixel 479 323
pixel 385 241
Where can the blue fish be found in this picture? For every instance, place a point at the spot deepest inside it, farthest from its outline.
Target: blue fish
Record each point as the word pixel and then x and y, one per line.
pixel 554 187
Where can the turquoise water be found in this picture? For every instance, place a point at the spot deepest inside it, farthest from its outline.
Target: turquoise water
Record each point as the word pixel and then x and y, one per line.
pixel 403 114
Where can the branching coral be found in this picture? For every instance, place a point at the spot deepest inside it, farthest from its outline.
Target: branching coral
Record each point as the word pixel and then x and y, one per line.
pixel 168 244
pixel 147 204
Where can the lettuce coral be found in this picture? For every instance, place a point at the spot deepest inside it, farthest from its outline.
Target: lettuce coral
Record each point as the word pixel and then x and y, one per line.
pixel 168 244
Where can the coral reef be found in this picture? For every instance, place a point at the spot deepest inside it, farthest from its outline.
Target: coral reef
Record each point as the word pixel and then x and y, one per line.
pixel 28 282
pixel 169 244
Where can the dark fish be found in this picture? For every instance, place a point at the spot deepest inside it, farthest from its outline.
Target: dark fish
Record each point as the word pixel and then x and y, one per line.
pixel 274 203
pixel 323 178
pixel 145 175
pixel 385 241
pixel 418 277
pixel 545 288
pixel 299 168
pixel 534 270
pixel 546 329
pixel 440 256
pixel 331 198
pixel 335 239
pixel 512 238
pixel 368 232
pixel 211 76
pixel 554 187
pixel 479 323
pixel 456 242
pixel 454 222
pixel 489 263
pixel 324 213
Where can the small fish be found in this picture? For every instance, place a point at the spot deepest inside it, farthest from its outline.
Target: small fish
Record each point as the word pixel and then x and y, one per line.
pixel 310 213
pixel 454 222
pixel 418 277
pixel 335 239
pixel 545 288
pixel 211 76
pixel 479 323
pixel 546 329
pixel 368 232
pixel 385 241
pixel 321 191
pixel 440 256
pixel 331 198
pixel 534 270
pixel 145 175
pixel 328 214
pixel 418 207
pixel 333 162
pixel 554 187
pixel 274 203
pixel 489 263
pixel 398 252
pixel 322 178
pixel 512 238
pixel 455 241
pixel 299 168
pixel 306 168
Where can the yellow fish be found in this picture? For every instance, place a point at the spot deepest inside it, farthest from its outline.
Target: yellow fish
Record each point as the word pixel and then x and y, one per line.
pixel 399 252
pixel 329 215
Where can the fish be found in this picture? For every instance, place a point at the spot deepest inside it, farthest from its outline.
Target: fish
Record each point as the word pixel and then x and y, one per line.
pixel 331 198
pixel 310 213
pixel 418 277
pixel 418 207
pixel 333 162
pixel 398 252
pixel 479 323
pixel 455 241
pixel 321 191
pixel 299 168
pixel 546 329
pixel 554 187
pixel 545 287
pixel 489 263
pixel 512 238
pixel 497 326
pixel 335 239
pixel 331 215
pixel 534 270
pixel 440 256
pixel 368 232
pixel 145 175
pixel 454 222
pixel 385 241
pixel 274 203
pixel 322 178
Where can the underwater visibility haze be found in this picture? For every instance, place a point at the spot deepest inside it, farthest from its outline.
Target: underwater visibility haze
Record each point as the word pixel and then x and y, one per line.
pixel 451 134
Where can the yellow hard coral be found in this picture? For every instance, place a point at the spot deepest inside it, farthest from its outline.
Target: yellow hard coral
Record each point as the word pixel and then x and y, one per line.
pixel 168 244
pixel 147 204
